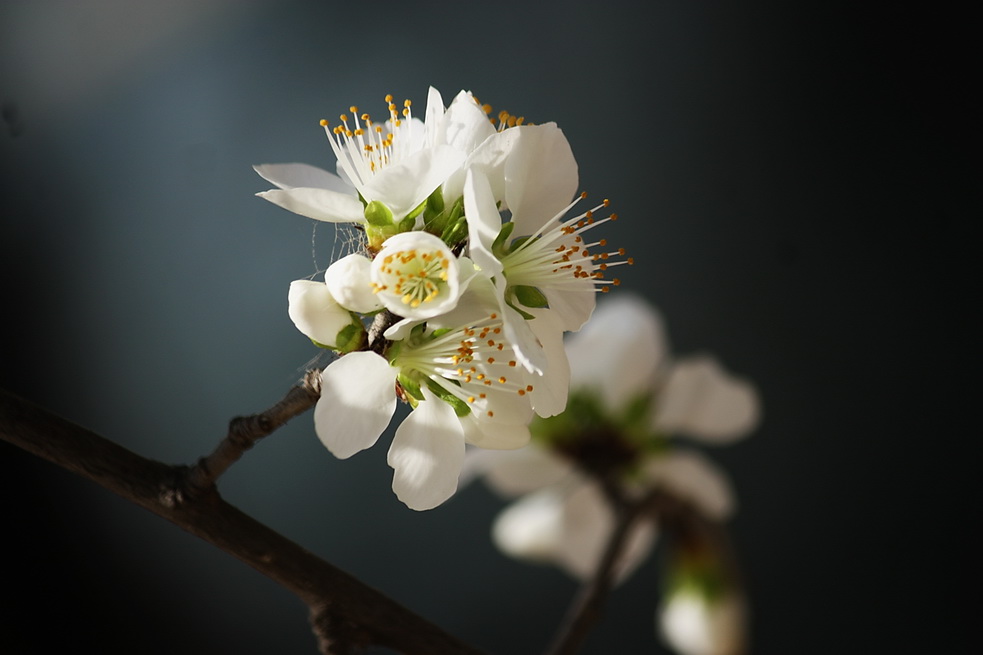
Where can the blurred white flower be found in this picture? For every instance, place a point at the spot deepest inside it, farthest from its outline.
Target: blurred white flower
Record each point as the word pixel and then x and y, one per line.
pixel 696 622
pixel 622 381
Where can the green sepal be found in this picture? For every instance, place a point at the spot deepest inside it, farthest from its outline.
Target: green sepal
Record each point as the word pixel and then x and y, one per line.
pixel 523 314
pixel 460 407
pixel 530 296
pixel 499 247
pixel 410 386
pixel 455 232
pixel 378 215
pixel 351 337
pixel 392 351
pixel 435 202
pixel 321 345
pixel 407 224
pixel 417 210
pixel 515 245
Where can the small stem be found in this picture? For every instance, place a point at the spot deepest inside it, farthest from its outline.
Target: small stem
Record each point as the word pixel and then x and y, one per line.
pixel 585 610
pixel 245 431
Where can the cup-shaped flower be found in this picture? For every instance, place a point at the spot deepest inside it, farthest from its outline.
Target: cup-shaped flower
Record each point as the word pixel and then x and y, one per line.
pixel 416 276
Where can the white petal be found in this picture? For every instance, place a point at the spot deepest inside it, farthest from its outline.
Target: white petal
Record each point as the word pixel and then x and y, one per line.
pixel 349 282
pixel 532 527
pixel 695 479
pixel 550 390
pixel 694 624
pixel 573 304
pixel 619 352
pixel 588 524
pixel 319 204
pixel 495 435
pixel 358 398
pixel 427 454
pixel 528 350
pixel 489 159
pixel 315 312
pixel 404 185
pixel 434 114
pixel 701 400
pixel 465 125
pixel 512 473
pixel 484 222
pixel 290 176
pixel 540 176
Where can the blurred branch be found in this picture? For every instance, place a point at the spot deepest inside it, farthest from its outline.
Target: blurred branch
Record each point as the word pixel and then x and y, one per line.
pixel 346 614
pixel 586 608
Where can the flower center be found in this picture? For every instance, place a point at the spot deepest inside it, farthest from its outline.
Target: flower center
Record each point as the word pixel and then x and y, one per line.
pixel 415 276
pixel 363 148
pixel 472 364
pixel 556 256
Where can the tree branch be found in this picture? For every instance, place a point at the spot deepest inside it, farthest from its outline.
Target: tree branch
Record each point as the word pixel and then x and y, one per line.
pixel 338 601
pixel 245 431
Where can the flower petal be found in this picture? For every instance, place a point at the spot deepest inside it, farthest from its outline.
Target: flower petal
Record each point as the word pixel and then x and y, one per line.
pixel 532 527
pixel 540 176
pixel 484 222
pixel 495 434
pixel 619 352
pixel 695 623
pixel 358 398
pixel 702 400
pixel 427 454
pixel 512 473
pixel 349 282
pixel 551 388
pixel 291 176
pixel 404 185
pixel 587 526
pixel 465 126
pixel 319 204
pixel 315 312
pixel 695 479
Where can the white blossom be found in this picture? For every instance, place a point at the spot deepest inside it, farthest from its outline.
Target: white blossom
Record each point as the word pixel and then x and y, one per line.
pixel 694 622
pixel 620 359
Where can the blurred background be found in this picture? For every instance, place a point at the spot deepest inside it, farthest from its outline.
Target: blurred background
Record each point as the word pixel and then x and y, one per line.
pixel 795 182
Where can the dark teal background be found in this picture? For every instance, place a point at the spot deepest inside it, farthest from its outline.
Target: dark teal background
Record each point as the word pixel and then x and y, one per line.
pixel 795 184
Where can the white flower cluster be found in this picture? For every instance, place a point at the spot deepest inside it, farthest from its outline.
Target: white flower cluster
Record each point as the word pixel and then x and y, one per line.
pixel 628 397
pixel 474 265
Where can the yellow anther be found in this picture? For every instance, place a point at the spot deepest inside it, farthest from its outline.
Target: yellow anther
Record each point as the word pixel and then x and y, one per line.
pixel 324 122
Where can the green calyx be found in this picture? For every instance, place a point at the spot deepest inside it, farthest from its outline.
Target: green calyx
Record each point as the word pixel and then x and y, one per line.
pixel 378 215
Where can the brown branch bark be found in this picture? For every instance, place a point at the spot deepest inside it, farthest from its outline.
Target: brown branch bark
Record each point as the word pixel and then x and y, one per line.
pixel 346 614
pixel 245 431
